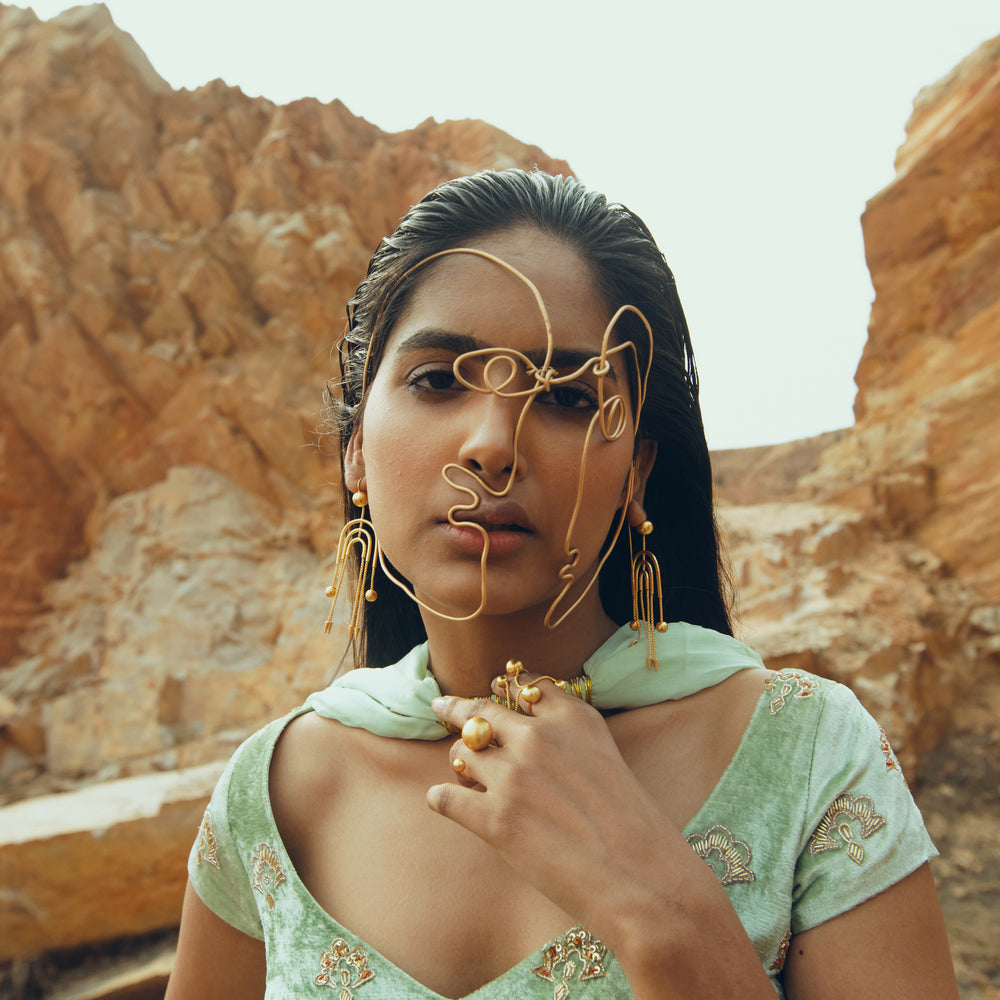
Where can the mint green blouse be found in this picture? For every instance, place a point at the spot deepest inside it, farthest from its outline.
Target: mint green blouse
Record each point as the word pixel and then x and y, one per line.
pixel 811 817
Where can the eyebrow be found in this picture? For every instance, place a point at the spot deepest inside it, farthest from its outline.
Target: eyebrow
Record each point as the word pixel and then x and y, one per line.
pixel 564 359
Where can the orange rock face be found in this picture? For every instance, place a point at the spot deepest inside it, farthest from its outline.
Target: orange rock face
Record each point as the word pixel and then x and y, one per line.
pixel 927 438
pixel 100 862
pixel 878 560
pixel 173 273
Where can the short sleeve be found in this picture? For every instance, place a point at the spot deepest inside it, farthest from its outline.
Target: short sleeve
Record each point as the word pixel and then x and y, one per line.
pixel 863 831
pixel 215 868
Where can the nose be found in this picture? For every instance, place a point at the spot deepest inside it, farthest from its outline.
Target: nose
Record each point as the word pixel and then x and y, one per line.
pixel 488 447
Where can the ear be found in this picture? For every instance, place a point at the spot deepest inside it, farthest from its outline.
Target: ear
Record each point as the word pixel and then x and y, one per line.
pixel 354 460
pixel 645 457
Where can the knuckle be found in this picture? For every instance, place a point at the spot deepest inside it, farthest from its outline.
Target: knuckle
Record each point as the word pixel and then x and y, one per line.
pixel 533 741
pixel 503 825
pixel 480 706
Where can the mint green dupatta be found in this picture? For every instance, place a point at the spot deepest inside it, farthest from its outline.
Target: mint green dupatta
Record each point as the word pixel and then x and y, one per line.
pixel 395 701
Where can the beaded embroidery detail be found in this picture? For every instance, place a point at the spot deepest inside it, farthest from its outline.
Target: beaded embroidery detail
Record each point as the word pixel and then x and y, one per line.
pixel 588 950
pixel 792 683
pixel 779 960
pixel 837 820
pixel 266 872
pixel 733 853
pixel 206 846
pixel 891 763
pixel 344 968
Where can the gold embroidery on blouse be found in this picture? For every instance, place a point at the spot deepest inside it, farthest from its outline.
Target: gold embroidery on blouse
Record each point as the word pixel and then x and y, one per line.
pixel 733 853
pixel 779 960
pixel 344 968
pixel 266 872
pixel 788 683
pixel 206 846
pixel 837 820
pixel 587 949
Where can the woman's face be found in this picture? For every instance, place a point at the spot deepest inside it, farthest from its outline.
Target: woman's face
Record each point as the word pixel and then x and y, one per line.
pixel 457 447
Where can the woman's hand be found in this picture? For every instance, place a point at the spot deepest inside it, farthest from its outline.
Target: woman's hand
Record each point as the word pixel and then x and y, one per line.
pixel 553 795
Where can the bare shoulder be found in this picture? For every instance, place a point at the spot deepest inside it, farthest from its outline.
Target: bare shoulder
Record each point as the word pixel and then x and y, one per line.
pixel 303 767
pixel 303 750
pixel 680 749
pixel 744 689
pixel 891 947
pixel 726 709
pixel 729 705
pixel 320 765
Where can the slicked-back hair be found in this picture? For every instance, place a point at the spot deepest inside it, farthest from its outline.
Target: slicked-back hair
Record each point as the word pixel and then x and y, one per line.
pixel 630 270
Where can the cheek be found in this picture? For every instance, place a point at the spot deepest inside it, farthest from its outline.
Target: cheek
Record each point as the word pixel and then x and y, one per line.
pixel 401 465
pixel 609 462
pixel 605 485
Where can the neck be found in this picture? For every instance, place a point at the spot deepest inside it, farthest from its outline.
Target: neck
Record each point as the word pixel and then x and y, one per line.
pixel 466 656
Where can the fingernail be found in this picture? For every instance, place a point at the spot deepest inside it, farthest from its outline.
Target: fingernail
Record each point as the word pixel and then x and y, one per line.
pixel 438 705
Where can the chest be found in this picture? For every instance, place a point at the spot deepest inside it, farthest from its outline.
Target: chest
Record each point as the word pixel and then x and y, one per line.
pixel 432 898
pixel 428 895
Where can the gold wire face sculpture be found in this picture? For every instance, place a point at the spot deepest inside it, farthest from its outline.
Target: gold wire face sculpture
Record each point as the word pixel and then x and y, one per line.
pixel 510 374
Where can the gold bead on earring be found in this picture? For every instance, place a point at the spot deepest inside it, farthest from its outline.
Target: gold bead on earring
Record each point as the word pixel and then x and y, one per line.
pixel 647 594
pixel 359 534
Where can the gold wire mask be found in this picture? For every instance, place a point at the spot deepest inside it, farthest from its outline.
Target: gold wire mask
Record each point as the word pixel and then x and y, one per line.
pixel 510 374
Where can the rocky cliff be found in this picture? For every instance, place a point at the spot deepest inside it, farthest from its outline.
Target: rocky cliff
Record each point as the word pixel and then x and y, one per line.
pixel 173 268
pixel 880 562
pixel 173 273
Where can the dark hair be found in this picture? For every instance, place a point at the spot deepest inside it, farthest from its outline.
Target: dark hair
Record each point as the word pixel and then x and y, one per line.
pixel 631 270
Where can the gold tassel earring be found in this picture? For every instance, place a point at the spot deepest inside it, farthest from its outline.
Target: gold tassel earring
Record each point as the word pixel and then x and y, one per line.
pixel 361 533
pixel 647 588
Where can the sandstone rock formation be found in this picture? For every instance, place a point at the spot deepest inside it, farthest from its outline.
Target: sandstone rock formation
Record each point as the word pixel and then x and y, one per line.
pixel 118 850
pixel 926 442
pixel 173 273
pixel 880 562
pixel 186 626
pixel 173 268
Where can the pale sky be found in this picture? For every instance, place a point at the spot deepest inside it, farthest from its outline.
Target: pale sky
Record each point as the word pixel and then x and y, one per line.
pixel 748 135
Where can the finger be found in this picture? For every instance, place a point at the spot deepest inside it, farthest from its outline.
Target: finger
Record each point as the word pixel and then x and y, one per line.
pixel 463 805
pixel 464 764
pixel 458 711
pixel 527 690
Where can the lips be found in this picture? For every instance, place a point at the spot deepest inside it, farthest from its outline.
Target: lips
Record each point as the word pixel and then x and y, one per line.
pixel 494 516
pixel 505 522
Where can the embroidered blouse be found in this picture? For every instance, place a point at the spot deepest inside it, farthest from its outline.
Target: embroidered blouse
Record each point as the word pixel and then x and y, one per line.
pixel 811 817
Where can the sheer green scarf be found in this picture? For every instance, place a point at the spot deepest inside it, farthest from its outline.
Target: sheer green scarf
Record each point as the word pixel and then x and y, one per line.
pixel 395 701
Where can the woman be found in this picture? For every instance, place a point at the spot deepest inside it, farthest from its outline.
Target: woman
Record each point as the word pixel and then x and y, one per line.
pixel 520 406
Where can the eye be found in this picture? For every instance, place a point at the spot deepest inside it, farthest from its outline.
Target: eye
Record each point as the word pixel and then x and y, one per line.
pixel 433 379
pixel 572 396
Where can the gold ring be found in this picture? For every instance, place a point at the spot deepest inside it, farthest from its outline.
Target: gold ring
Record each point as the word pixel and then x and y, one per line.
pixel 458 764
pixel 513 691
pixel 477 733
